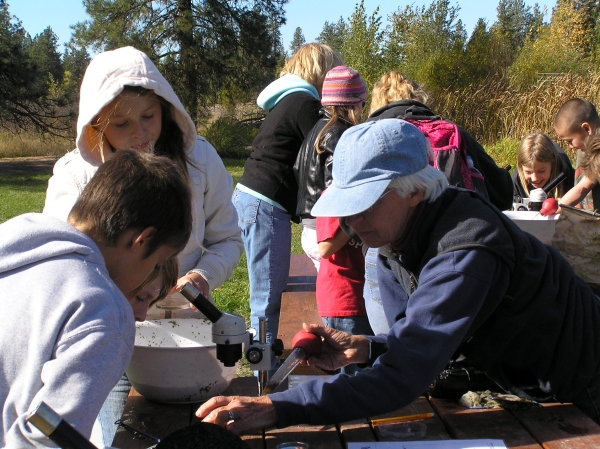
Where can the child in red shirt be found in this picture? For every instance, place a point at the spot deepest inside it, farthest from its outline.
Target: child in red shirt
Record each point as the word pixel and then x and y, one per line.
pixel 340 281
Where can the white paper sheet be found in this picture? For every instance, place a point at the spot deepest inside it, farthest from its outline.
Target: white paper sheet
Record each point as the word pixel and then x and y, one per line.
pixel 440 444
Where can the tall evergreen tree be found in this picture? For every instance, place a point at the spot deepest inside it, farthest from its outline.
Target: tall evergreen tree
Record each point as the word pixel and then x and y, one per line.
pixel 515 24
pixel 427 44
pixel 298 40
pixel 202 46
pixel 363 43
pixel 23 100
pixel 334 34
pixel 43 52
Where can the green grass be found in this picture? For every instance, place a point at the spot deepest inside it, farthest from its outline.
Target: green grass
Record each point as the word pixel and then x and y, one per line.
pixel 21 193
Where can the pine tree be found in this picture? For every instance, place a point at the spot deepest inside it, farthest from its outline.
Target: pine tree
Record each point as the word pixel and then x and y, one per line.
pixel 298 40
pixel 202 46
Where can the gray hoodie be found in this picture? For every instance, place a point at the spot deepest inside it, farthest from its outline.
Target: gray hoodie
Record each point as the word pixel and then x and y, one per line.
pixel 66 333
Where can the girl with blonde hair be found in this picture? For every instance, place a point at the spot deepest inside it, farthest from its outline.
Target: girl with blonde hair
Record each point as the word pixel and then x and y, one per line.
pixel 395 86
pixel 265 196
pixel 540 160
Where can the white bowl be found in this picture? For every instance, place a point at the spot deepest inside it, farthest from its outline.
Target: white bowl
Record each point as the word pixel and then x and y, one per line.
pixel 175 361
pixel 535 223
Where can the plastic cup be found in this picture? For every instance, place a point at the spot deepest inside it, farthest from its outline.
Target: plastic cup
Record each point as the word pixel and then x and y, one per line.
pixel 402 431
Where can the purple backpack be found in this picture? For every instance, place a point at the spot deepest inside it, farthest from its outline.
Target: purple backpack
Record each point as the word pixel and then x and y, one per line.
pixel 449 156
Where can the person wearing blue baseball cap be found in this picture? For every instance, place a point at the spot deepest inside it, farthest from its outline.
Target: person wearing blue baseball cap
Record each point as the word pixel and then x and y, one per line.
pixel 456 276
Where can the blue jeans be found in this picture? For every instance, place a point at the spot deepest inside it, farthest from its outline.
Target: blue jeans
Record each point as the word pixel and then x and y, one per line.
pixel 377 318
pixel 355 325
pixel 112 409
pixel 267 235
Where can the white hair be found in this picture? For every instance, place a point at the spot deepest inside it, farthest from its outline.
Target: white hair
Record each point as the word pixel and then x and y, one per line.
pixel 432 181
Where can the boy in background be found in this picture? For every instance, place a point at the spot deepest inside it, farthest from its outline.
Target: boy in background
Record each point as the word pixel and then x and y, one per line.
pixel 574 123
pixel 68 329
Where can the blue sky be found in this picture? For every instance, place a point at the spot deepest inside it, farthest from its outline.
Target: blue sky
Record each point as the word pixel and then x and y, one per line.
pixel 310 15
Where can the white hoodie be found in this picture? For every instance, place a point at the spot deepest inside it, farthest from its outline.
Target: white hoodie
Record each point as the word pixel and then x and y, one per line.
pixel 66 332
pixel 215 245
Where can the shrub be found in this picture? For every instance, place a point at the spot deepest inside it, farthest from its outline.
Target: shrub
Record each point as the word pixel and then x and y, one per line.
pixel 230 137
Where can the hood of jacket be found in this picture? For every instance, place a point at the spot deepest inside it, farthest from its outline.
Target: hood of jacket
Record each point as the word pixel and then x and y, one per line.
pixel 281 87
pixel 105 78
pixel 31 238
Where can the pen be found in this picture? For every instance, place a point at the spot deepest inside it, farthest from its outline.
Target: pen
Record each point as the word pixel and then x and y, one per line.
pixel 399 419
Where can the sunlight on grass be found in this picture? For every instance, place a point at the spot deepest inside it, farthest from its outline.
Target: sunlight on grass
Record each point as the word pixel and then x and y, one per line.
pixel 21 193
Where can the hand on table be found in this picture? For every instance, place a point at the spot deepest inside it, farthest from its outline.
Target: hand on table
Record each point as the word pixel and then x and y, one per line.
pixel 248 412
pixel 339 348
pixel 197 281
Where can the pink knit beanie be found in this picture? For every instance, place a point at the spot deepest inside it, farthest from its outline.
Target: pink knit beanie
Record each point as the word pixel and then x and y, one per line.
pixel 343 86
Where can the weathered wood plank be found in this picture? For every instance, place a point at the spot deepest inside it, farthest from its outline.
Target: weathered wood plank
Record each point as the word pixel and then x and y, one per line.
pixel 464 423
pixel 159 420
pixel 435 427
pixel 317 437
pixel 356 431
pixel 296 308
pixel 154 418
pixel 560 426
pixel 302 270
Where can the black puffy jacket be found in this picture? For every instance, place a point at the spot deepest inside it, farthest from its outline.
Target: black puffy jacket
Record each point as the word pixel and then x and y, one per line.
pixel 313 170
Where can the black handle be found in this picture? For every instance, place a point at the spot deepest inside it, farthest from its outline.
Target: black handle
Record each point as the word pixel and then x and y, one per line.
pixel 556 181
pixel 201 303
pixel 57 429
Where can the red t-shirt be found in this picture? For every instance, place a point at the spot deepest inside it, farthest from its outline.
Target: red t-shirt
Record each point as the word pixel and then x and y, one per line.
pixel 341 278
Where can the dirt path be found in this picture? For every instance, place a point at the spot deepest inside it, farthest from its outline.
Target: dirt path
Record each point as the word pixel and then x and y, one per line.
pixel 27 165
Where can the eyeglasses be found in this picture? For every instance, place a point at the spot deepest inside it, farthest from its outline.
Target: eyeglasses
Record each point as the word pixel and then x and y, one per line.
pixel 370 209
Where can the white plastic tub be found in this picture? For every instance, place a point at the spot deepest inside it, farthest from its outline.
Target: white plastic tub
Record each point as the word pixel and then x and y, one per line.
pixel 175 361
pixel 535 223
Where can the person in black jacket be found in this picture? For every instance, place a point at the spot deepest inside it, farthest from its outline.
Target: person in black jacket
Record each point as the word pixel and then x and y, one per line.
pixel 265 196
pixel 343 97
pixel 395 96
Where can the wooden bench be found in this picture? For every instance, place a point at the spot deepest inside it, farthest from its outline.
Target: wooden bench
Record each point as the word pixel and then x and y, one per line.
pixel 302 275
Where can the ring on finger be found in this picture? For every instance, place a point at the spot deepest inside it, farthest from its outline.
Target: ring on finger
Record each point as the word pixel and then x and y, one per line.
pixel 231 415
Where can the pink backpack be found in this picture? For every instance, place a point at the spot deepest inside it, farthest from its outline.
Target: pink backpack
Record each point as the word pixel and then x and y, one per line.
pixel 449 156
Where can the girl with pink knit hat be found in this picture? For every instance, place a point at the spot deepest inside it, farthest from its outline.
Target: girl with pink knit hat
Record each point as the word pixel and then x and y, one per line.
pixel 343 97
pixel 338 257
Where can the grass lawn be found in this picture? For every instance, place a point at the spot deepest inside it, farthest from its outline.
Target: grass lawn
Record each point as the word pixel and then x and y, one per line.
pixel 21 193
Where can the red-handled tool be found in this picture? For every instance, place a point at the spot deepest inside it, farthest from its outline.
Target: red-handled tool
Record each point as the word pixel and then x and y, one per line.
pixel 304 345
pixel 549 207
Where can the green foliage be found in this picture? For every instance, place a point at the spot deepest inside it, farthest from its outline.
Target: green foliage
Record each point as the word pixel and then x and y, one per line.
pixel 202 46
pixel 334 34
pixel 230 137
pixel 545 56
pixel 362 44
pixel 504 152
pixel 24 100
pixel 298 40
pixel 426 43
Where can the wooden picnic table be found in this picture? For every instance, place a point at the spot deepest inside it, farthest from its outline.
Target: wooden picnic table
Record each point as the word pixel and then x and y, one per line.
pixel 550 426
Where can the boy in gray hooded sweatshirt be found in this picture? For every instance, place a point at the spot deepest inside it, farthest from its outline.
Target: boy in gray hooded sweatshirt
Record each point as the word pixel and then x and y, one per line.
pixel 71 329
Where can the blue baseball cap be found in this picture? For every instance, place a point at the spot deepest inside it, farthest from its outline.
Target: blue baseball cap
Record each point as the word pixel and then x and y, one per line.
pixel 367 157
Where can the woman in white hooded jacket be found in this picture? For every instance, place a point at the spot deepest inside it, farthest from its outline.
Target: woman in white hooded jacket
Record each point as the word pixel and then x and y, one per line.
pixel 126 103
pixel 215 246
